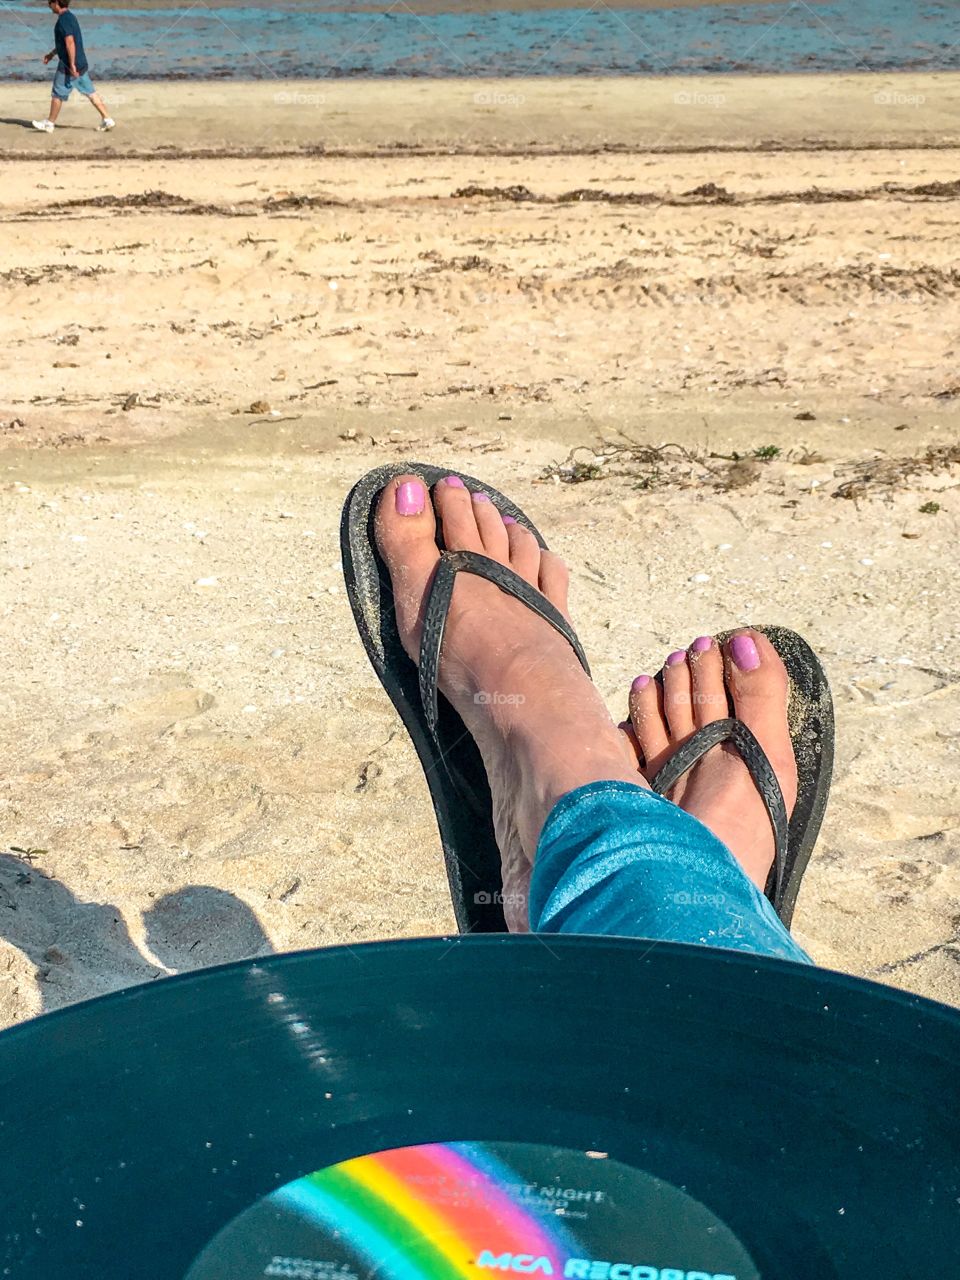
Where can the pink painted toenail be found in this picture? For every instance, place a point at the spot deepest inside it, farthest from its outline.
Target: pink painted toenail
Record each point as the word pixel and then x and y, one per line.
pixel 702 644
pixel 509 520
pixel 679 655
pixel 410 499
pixel 454 482
pixel 480 497
pixel 744 653
pixel 641 682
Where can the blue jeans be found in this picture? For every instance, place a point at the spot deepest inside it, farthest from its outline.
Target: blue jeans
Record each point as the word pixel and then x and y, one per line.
pixel 618 859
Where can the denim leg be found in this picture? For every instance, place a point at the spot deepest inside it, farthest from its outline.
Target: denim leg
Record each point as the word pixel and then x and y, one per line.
pixel 617 859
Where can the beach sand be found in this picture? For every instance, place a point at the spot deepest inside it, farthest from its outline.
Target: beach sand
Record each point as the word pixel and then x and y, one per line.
pixel 200 353
pixel 656 114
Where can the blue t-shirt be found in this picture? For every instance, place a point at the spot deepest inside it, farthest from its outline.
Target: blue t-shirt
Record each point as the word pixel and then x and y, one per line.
pixel 67 25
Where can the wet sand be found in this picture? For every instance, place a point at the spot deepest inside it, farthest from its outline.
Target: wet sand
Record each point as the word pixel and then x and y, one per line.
pixel 521 117
pixel 199 356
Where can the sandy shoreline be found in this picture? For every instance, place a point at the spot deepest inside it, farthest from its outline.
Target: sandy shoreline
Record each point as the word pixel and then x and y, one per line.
pixel 199 763
pixel 515 116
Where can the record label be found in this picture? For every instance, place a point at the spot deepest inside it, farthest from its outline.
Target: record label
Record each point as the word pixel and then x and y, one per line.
pixel 476 1211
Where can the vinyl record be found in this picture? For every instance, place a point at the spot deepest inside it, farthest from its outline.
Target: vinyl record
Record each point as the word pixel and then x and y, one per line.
pixel 445 1109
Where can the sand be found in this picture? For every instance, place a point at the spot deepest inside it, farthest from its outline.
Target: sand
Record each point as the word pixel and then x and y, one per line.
pixel 655 114
pixel 198 763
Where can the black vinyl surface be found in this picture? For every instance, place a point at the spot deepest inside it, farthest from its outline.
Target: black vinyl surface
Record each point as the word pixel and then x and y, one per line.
pixel 815 1114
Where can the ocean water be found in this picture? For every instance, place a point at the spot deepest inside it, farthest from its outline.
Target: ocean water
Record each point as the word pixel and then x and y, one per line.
pixel 243 42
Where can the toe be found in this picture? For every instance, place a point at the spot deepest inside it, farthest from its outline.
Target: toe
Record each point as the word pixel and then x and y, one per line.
pixel 756 674
pixel 760 687
pixel 493 532
pixel 649 724
pixel 706 677
pixel 457 519
pixel 524 553
pixel 554 579
pixel 405 531
pixel 678 696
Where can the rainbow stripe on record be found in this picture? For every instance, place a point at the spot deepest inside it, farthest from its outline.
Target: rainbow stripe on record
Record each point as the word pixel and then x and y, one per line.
pixel 427 1212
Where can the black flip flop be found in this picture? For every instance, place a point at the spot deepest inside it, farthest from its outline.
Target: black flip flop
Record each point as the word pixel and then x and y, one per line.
pixel 810 717
pixel 452 764
pixel 450 758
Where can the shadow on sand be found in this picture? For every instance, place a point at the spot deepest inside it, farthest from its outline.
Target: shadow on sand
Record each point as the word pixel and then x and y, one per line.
pixel 83 949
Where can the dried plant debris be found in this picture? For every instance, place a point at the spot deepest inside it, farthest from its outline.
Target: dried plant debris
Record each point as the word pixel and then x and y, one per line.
pixel 662 466
pixel 884 475
pixel 470 262
pixel 53 273
pixel 517 193
pixel 153 201
pixel 711 194
pixel 658 466
pixel 137 200
pixel 291 200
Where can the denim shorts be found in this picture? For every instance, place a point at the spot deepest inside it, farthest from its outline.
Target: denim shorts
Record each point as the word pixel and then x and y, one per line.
pixel 64 84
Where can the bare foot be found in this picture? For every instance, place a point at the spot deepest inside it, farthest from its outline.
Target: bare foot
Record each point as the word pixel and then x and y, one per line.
pixel 538 720
pixel 719 790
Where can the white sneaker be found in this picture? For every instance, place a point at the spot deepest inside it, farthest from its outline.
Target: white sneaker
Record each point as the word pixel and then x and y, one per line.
pixel 107 124
pixel 45 126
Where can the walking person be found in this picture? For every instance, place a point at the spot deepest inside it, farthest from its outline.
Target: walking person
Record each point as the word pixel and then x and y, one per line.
pixel 72 68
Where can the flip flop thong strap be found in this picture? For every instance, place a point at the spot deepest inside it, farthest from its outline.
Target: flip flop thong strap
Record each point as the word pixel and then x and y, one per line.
pixel 761 771
pixel 438 606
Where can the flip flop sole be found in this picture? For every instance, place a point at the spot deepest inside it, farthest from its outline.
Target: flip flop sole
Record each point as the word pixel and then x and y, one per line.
pixel 455 774
pixel 811 721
